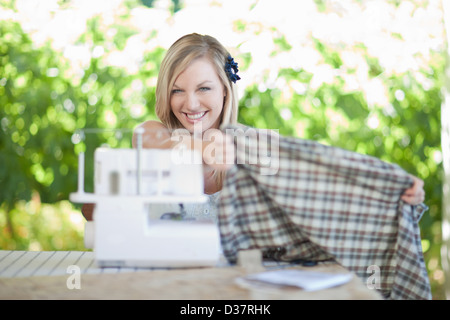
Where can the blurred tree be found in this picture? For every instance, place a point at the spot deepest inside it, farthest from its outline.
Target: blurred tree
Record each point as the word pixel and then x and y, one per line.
pixel 36 152
pixel 47 111
pixel 175 3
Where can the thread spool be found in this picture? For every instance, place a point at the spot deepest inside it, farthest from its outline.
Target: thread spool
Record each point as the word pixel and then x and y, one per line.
pixel 114 183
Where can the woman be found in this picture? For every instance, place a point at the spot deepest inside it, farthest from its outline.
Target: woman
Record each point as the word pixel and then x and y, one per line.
pixel 196 91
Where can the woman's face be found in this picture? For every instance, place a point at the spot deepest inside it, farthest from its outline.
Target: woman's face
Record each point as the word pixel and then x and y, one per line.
pixel 197 96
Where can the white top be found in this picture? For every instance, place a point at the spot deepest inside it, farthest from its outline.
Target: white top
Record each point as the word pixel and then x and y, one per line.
pixel 196 211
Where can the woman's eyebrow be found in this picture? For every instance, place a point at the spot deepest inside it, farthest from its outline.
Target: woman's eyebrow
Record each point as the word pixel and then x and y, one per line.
pixel 198 85
pixel 204 82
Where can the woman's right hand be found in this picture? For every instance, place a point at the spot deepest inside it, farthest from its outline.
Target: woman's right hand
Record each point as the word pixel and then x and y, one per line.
pixel 218 150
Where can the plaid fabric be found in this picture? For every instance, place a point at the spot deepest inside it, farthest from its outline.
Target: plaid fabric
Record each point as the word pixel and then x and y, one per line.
pixel 325 203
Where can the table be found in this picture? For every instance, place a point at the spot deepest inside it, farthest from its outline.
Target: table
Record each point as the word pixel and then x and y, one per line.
pixel 51 275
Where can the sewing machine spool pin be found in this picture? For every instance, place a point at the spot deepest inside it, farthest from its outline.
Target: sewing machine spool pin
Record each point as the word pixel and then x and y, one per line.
pixel 139 133
pixel 80 172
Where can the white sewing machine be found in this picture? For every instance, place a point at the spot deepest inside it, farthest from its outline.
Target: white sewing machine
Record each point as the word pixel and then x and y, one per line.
pixel 125 182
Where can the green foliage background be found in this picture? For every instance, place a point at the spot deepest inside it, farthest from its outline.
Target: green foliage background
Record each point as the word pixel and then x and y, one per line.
pixel 43 105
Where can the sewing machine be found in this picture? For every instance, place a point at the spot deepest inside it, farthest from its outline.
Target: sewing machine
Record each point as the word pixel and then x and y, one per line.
pixel 126 181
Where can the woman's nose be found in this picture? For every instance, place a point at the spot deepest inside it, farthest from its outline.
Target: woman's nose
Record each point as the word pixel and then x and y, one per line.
pixel 192 103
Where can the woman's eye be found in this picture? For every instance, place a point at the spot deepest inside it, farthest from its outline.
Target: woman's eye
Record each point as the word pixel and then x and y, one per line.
pixel 205 89
pixel 176 91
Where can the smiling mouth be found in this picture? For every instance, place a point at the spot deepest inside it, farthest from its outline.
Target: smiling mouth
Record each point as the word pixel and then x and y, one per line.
pixel 195 116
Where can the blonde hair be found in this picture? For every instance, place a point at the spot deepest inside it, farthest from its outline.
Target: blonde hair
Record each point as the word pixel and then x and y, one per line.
pixel 185 50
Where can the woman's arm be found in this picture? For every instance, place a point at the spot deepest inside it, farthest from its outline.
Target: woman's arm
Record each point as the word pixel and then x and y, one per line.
pixel 155 135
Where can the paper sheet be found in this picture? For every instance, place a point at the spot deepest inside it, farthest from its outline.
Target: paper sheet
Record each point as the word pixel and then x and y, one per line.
pixel 307 280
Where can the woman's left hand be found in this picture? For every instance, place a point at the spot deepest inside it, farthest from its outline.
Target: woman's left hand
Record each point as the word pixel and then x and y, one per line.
pixel 415 194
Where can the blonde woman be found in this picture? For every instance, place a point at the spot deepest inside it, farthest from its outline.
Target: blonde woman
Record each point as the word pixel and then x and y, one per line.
pixel 195 89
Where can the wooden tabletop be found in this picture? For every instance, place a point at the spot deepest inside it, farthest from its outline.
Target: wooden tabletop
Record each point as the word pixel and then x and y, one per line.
pixel 39 276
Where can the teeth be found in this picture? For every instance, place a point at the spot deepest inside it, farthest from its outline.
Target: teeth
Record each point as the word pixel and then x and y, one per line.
pixel 195 116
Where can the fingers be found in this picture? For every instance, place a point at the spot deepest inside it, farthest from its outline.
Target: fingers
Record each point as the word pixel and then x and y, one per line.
pixel 415 194
pixel 413 200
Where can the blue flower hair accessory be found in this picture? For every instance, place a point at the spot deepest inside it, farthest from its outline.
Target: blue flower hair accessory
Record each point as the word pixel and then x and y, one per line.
pixel 231 69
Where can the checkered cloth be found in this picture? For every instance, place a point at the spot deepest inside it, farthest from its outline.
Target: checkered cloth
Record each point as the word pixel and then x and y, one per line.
pixel 324 203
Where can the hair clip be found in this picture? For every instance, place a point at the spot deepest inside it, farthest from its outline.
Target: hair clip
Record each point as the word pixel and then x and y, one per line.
pixel 231 69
